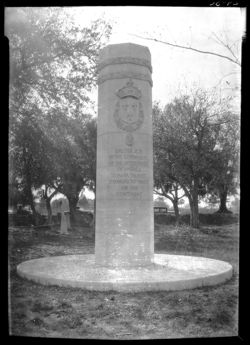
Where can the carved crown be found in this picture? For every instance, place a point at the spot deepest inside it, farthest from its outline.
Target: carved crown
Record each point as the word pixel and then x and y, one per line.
pixel 129 90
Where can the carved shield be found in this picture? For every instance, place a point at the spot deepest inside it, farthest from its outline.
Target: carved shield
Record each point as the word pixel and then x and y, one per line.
pixel 128 112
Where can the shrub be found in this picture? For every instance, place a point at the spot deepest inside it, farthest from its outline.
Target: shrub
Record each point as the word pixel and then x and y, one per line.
pixel 205 219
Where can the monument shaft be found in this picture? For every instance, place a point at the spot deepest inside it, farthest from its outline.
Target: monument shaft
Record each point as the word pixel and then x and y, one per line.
pixel 124 191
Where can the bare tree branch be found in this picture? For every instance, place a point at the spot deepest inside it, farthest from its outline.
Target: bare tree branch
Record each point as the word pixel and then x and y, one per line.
pixel 189 48
pixel 180 197
pixel 228 47
pixel 157 192
pixel 53 194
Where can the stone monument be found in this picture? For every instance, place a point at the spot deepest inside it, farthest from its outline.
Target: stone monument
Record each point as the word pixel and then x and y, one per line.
pixel 124 257
pixel 124 199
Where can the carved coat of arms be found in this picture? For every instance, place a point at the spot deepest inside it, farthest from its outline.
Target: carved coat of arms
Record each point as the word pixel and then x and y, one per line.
pixel 128 114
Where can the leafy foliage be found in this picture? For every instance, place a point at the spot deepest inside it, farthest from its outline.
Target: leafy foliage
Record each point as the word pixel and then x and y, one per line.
pixel 187 133
pixel 53 60
pixel 226 172
pixel 52 70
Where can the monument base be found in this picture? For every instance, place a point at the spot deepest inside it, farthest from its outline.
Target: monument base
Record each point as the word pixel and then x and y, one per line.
pixel 168 272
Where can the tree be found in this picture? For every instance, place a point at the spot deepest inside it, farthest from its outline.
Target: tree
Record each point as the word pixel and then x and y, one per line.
pixel 164 184
pixel 90 150
pixel 30 158
pixel 47 193
pixel 226 172
pixel 171 191
pixel 53 60
pixel 52 69
pixel 76 156
pixel 185 137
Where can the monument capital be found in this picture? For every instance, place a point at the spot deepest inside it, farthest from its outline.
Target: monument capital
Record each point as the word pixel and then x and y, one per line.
pixel 125 60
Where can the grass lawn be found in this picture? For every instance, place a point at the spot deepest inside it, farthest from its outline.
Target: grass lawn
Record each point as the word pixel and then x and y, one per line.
pixel 50 311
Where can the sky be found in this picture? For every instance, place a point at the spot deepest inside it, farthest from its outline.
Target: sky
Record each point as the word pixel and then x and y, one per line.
pixel 175 68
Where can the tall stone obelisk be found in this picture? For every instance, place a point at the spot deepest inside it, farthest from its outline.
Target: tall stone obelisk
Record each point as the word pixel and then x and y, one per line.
pixel 124 191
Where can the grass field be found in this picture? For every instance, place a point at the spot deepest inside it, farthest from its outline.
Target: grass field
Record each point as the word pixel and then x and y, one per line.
pixel 50 311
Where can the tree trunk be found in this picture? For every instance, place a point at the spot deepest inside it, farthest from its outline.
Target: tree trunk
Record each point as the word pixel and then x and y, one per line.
pixel 194 216
pixel 48 199
pixel 223 203
pixel 73 200
pixel 194 209
pixel 176 212
pixel 48 206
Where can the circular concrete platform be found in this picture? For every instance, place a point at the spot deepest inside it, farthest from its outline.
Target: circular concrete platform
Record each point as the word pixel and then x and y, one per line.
pixel 169 272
